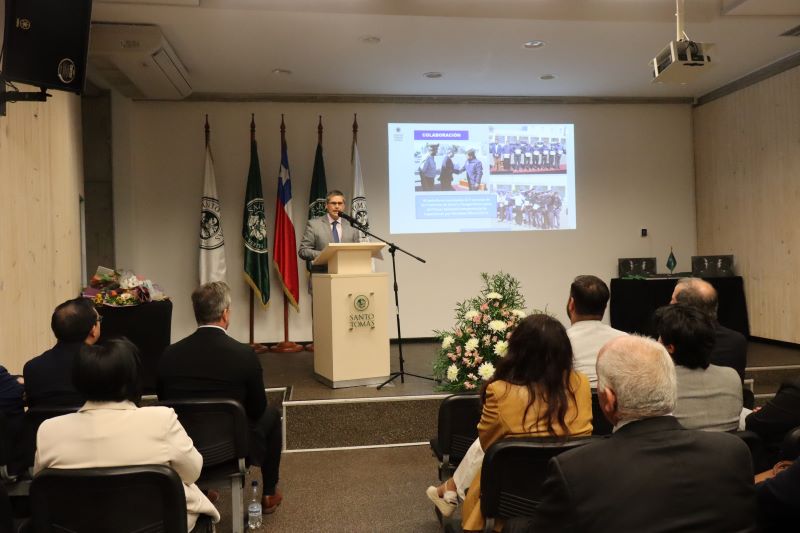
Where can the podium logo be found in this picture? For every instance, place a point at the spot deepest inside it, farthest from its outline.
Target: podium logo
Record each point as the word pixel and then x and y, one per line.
pixel 361 318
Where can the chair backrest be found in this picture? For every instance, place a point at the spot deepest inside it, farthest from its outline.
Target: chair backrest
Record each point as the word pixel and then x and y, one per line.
pixel 790 448
pixel 125 499
pixel 459 415
pixel 513 472
pixel 600 424
pixel 218 428
pixel 757 451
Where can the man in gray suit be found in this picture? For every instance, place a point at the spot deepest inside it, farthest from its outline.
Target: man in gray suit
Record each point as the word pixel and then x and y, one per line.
pixel 322 231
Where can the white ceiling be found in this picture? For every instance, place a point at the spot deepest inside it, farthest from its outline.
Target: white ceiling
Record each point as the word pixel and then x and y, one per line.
pixel 595 48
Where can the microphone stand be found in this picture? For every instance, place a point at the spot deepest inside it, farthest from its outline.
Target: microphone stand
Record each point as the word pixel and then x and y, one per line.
pixel 392 249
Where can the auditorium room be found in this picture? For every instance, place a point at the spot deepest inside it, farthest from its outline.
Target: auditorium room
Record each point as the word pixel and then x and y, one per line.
pixel 399 266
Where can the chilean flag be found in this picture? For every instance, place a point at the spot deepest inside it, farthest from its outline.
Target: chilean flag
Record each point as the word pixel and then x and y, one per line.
pixel 285 255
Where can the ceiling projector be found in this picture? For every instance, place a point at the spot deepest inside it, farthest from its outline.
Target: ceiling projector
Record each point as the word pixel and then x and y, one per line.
pixel 681 61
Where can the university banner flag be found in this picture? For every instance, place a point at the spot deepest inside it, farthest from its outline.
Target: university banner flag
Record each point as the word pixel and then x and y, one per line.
pixel 254 227
pixel 285 255
pixel 212 243
pixel 319 187
pixel 358 205
pixel 671 262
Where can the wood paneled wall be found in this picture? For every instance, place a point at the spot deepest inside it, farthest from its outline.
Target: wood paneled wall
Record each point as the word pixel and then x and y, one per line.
pixel 747 157
pixel 41 173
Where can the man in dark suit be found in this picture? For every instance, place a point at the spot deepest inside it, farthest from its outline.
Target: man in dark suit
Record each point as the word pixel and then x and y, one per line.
pixel 651 474
pixel 322 231
pixel 48 377
pixel 210 364
pixel 730 346
pixel 777 417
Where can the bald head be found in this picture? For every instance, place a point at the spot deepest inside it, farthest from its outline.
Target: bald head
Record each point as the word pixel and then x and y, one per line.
pixel 697 293
pixel 635 379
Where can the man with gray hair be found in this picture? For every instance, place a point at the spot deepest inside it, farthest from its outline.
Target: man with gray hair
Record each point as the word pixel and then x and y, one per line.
pixel 730 346
pixel 651 474
pixel 210 364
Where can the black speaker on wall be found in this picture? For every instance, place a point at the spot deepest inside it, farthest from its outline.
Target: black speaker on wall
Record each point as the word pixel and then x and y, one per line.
pixel 45 43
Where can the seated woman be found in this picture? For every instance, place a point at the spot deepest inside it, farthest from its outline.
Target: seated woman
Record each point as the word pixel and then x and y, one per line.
pixel 534 393
pixel 110 430
pixel 709 396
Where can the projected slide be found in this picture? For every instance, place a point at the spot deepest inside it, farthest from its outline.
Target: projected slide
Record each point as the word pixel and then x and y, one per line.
pixel 446 178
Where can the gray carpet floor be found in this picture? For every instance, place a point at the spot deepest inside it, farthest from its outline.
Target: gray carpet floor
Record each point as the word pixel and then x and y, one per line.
pixel 369 490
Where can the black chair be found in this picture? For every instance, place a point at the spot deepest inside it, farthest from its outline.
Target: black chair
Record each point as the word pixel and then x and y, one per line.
pixel 790 448
pixel 757 451
pixel 457 429
pixel 125 499
pixel 220 432
pixel 512 475
pixel 600 424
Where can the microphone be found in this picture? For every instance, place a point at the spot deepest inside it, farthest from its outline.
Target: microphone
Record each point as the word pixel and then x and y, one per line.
pixel 348 217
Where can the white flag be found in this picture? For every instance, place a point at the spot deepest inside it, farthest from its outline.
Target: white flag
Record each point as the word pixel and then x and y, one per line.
pixel 358 206
pixel 212 243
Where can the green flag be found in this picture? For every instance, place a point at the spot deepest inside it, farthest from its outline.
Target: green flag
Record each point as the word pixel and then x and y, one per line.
pixel 254 229
pixel 671 262
pixel 316 196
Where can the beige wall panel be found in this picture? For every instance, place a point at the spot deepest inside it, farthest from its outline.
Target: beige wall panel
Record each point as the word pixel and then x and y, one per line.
pixel 634 164
pixel 748 196
pixel 41 176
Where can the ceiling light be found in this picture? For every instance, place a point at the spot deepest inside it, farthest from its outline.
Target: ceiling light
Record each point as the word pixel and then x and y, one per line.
pixel 370 39
pixel 433 75
pixel 547 77
pixel 281 71
pixel 533 44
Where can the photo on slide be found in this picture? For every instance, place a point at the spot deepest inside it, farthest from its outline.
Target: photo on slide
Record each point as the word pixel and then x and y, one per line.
pixel 446 178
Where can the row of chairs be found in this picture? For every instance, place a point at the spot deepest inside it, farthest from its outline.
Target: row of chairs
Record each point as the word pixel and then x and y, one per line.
pixel 514 469
pixel 63 500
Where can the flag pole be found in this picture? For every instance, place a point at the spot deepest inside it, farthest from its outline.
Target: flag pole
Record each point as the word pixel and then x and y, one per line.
pixel 208 131
pixel 286 346
pixel 258 348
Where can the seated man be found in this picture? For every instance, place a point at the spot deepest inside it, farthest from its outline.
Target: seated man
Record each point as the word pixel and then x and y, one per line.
pixel 210 364
pixel 709 396
pixel 730 346
pixel 48 377
pixel 651 473
pixel 588 296
pixel 777 417
pixel 778 497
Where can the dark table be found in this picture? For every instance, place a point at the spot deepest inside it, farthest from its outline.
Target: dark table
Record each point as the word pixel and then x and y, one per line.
pixel 633 302
pixel 148 326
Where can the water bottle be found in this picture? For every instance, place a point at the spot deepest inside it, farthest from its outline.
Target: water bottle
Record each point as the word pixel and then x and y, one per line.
pixel 254 508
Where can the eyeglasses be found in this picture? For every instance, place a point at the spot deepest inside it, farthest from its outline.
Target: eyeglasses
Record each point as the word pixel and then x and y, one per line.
pixel 99 318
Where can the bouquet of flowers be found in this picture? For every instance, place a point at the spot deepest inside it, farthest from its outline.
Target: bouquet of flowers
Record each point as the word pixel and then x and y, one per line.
pixel 121 289
pixel 483 325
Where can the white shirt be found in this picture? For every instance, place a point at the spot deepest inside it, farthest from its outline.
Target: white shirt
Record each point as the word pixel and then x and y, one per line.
pixel 587 337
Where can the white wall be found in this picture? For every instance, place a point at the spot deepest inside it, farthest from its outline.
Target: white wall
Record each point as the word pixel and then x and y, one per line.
pixel 634 170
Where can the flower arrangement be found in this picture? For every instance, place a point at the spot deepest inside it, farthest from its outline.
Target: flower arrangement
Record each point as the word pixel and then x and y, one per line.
pixel 483 324
pixel 121 289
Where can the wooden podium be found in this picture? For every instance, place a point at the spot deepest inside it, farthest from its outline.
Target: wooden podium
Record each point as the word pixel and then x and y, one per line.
pixel 351 323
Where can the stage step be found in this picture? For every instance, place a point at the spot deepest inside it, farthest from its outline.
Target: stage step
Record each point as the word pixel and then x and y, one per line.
pixel 359 422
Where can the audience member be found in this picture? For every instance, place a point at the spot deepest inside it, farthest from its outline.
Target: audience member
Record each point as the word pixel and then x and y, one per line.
pixel 210 364
pixel 588 296
pixel 534 392
pixel 12 405
pixel 777 417
pixel 110 430
pixel 778 497
pixel 730 346
pixel 651 474
pixel 709 396
pixel 48 377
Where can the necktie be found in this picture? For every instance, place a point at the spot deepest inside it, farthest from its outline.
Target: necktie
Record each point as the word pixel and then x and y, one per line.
pixel 334 233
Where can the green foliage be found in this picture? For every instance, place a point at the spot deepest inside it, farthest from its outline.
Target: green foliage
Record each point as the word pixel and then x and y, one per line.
pixel 469 352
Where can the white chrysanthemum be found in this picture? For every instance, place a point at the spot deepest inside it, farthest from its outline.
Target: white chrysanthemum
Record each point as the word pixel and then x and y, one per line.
pixel 501 348
pixel 497 325
pixel 519 312
pixel 447 342
pixel 452 373
pixel 472 344
pixel 469 315
pixel 486 371
pixel 494 296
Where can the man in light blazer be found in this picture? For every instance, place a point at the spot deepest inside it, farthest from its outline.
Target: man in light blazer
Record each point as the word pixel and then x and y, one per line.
pixel 319 231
